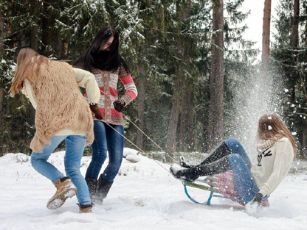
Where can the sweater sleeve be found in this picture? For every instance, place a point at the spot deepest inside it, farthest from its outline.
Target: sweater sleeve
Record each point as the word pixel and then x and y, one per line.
pixel 128 83
pixel 282 163
pixel 130 89
pixel 27 90
pixel 87 80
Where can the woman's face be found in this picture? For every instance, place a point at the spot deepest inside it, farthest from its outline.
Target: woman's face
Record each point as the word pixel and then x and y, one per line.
pixel 107 44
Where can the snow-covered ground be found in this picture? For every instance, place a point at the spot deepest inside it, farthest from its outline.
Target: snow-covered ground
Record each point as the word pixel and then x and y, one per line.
pixel 144 196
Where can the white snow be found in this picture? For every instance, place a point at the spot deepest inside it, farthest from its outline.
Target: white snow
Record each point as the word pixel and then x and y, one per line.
pixel 133 158
pixel 144 196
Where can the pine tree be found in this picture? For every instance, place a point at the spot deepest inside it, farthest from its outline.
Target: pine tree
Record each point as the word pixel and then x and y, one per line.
pixel 290 52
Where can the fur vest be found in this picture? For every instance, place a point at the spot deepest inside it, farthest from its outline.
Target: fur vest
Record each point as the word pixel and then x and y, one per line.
pixel 60 104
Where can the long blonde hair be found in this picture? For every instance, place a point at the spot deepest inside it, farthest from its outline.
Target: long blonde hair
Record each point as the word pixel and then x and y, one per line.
pixel 28 63
pixel 271 126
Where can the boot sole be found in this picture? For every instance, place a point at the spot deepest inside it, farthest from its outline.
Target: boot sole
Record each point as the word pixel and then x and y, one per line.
pixel 60 200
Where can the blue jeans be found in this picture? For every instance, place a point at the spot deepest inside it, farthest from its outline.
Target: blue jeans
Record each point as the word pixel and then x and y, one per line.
pixel 106 139
pixel 244 182
pixel 74 151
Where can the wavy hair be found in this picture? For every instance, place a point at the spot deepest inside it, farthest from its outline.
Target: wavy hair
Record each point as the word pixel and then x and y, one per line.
pixel 28 63
pixel 271 126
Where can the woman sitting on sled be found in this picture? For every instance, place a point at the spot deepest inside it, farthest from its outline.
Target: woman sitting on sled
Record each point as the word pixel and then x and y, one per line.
pixel 232 172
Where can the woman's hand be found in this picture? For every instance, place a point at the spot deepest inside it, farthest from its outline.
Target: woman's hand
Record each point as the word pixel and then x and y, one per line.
pixel 96 111
pixel 119 105
pixel 258 198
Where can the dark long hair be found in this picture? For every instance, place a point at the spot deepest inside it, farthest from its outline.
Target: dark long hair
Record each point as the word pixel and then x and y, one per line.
pixel 109 59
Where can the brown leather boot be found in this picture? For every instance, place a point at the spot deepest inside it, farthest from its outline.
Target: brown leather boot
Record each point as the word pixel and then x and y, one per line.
pixel 85 208
pixel 65 189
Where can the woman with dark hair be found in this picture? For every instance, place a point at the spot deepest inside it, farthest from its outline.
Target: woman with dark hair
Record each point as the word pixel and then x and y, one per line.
pixel 102 58
pixel 231 172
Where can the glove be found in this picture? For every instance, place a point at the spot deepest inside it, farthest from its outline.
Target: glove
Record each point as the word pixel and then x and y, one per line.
pixel 258 198
pixel 119 105
pixel 95 109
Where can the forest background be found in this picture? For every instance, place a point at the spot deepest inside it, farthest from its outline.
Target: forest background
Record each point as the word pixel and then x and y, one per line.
pixel 199 80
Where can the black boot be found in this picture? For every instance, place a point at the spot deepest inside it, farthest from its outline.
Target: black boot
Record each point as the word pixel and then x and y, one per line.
pixel 103 188
pixel 221 151
pixel 183 163
pixel 184 174
pixel 92 186
pixel 191 174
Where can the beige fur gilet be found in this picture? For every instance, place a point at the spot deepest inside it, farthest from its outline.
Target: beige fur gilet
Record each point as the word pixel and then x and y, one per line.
pixel 60 104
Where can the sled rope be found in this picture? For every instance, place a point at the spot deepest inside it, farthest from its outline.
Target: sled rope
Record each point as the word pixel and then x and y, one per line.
pixel 159 147
pixel 141 150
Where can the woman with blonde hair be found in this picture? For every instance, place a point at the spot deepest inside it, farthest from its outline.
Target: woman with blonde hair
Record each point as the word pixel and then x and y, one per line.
pixel 231 173
pixel 62 114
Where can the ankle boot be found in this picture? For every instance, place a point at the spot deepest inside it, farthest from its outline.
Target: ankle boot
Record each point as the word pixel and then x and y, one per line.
pixel 191 174
pixel 92 186
pixel 221 151
pixel 103 188
pixel 183 163
pixel 183 173
pixel 85 208
pixel 65 189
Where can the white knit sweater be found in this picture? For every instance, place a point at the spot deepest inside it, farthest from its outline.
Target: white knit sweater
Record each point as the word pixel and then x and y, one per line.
pixel 274 163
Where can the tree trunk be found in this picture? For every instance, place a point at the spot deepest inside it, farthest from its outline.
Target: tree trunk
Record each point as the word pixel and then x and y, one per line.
pixel 1 34
pixel 186 131
pixel 295 24
pixel 305 41
pixel 174 117
pixel 304 147
pixel 141 107
pixel 266 33
pixel 183 12
pixel 216 81
pixel 47 26
pixel 1 100
pixel 304 141
pixel 34 37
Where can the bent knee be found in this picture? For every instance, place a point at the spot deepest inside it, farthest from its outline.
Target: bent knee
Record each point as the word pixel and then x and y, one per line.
pixel 232 141
pixel 235 158
pixel 35 158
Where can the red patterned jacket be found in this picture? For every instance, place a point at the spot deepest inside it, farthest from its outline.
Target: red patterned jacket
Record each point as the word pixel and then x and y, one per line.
pixel 107 82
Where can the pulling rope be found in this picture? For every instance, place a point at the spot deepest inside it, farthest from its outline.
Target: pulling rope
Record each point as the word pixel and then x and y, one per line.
pixel 141 150
pixel 146 135
pixel 186 184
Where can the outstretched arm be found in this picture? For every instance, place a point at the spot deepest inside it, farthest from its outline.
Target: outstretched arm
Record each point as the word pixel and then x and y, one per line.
pixel 87 80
